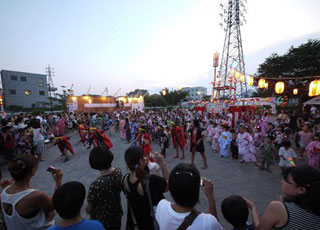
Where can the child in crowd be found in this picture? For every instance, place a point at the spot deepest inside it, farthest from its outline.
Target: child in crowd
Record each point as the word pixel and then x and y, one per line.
pixel 235 210
pixel 267 152
pixel 224 141
pixel 64 146
pixel 278 123
pixel 313 152
pixel 305 137
pixel 234 145
pixel 215 137
pixel 67 201
pixel 144 141
pixel 24 142
pixel 287 156
pixel 279 136
pixel 270 130
pixel 244 143
pixel 163 140
pixel 210 131
pixel 257 139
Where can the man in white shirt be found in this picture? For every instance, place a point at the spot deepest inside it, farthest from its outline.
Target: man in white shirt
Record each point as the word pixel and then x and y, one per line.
pixel 184 186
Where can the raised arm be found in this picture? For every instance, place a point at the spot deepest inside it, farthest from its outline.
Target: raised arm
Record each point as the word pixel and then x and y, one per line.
pixel 208 191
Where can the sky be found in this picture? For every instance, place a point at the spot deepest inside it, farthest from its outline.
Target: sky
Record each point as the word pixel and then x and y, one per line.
pixel 145 44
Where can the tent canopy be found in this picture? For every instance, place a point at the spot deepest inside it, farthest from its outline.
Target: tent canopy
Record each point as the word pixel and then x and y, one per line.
pixel 313 101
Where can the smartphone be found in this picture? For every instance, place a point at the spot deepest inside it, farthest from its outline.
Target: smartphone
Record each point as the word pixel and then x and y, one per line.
pixel 51 169
pixel 201 182
pixel 152 155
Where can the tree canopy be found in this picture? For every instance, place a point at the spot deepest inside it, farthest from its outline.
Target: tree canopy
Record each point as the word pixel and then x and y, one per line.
pixel 171 98
pixel 297 62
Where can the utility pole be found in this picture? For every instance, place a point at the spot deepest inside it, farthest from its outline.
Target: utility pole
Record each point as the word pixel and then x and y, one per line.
pixel 50 73
pixel 232 61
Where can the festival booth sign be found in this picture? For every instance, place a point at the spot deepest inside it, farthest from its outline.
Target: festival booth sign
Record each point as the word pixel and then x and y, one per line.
pixel 103 104
pixel 89 104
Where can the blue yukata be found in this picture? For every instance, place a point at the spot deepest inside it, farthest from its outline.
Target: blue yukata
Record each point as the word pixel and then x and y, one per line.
pixel 225 140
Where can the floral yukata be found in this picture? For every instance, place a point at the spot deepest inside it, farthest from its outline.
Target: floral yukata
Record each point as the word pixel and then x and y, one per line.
pixel 313 154
pixel 245 149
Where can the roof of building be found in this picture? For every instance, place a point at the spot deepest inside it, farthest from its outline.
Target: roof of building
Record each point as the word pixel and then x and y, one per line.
pixel 20 72
pixel 138 93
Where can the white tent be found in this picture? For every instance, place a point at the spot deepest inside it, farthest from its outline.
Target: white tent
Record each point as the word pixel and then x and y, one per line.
pixel 313 101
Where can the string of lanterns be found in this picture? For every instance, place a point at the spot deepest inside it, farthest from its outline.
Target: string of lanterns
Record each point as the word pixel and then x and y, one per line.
pixel 314 87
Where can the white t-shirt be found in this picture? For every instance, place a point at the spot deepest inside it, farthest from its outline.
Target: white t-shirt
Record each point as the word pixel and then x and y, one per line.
pixel 290 153
pixel 169 219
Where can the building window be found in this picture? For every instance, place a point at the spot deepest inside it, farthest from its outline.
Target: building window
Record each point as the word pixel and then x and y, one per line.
pixel 40 82
pixel 14 78
pixel 12 92
pixel 27 92
pixel 41 93
pixel 23 78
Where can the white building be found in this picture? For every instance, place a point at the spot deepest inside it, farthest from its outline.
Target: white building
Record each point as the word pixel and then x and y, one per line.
pixel 195 93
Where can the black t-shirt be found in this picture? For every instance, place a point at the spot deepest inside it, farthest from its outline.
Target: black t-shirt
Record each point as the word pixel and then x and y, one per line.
pixel 140 204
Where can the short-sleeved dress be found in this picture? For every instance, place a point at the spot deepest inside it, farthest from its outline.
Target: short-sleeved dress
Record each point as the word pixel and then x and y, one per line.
pixel 104 196
pixel 140 204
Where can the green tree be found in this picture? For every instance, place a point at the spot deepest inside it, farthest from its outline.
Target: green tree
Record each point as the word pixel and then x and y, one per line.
pixel 62 101
pixel 206 97
pixel 298 62
pixel 172 98
pixel 154 100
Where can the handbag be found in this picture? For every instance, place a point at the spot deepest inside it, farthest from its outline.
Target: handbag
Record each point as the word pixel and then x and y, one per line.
pixel 155 222
pixel 188 220
pixel 134 220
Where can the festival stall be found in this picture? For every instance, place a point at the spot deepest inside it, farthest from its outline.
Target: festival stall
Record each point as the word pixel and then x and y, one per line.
pixel 313 101
pixel 242 106
pixel 103 104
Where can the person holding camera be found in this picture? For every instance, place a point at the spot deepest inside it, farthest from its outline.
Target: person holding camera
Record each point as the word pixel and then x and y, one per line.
pixel 142 189
pixel 23 207
pixel 184 186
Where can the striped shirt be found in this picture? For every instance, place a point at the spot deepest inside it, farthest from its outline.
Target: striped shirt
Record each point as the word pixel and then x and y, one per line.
pixel 299 218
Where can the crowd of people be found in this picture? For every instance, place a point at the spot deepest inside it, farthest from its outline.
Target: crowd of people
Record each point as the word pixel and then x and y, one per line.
pixel 255 137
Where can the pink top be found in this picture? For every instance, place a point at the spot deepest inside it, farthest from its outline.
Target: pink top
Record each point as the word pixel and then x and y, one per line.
pixel 305 138
pixel 313 148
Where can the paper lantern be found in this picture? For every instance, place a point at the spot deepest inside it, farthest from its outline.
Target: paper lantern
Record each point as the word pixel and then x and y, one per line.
pixel 164 92
pixel 216 60
pixel 295 91
pixel 250 80
pixel 266 85
pixel 314 88
pixel 236 73
pixel 261 83
pixel 179 87
pixel 214 94
pixel 231 71
pixel 279 87
pixel 242 77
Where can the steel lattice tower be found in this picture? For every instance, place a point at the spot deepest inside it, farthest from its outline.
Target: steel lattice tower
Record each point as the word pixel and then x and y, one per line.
pixel 232 55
